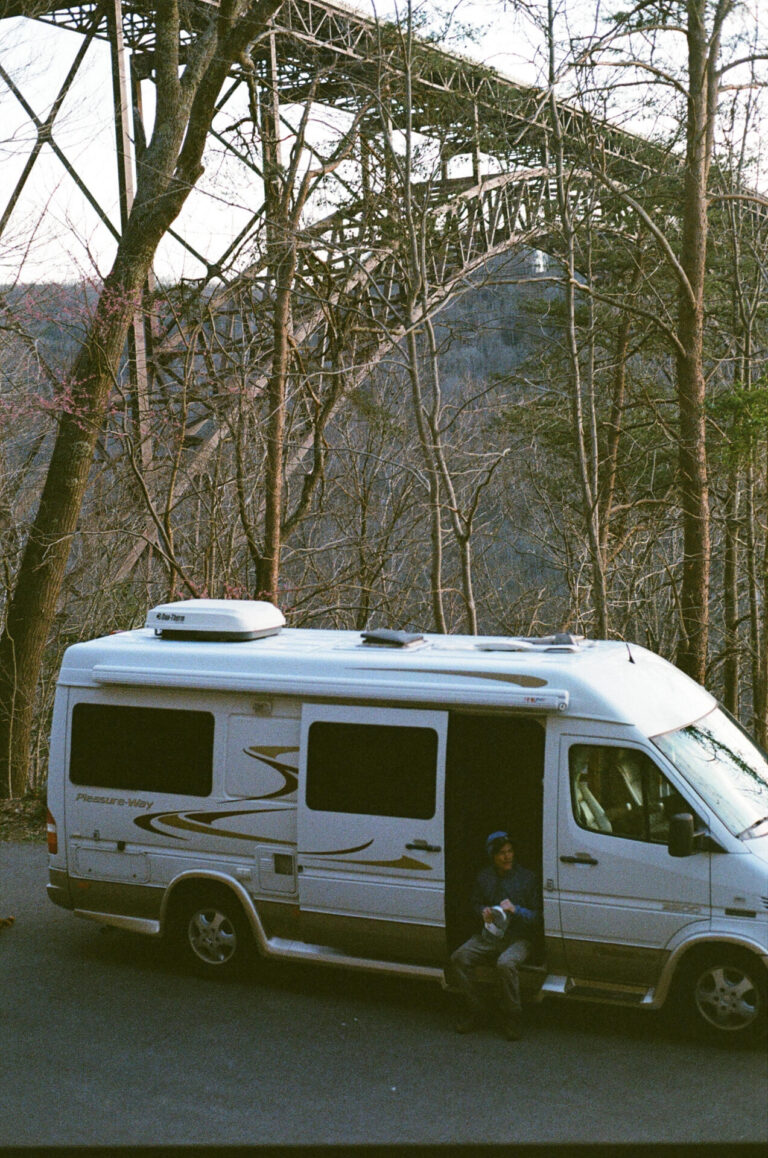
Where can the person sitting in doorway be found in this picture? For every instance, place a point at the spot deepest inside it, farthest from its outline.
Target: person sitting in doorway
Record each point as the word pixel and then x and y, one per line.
pixel 506 940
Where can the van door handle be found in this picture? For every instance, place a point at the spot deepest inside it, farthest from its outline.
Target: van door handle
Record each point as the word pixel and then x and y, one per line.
pixel 582 858
pixel 424 846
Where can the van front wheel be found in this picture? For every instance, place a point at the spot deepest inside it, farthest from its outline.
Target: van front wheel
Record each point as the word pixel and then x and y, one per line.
pixel 728 994
pixel 212 932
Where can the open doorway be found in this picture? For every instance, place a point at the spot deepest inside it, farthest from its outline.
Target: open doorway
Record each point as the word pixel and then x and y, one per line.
pixel 494 774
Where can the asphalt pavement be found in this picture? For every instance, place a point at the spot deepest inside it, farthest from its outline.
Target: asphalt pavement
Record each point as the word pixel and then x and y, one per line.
pixel 106 1040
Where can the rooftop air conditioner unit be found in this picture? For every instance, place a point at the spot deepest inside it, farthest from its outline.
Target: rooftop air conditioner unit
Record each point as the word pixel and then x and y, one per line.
pixel 231 620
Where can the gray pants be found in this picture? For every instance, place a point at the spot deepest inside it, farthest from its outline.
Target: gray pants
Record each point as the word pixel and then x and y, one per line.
pixel 506 957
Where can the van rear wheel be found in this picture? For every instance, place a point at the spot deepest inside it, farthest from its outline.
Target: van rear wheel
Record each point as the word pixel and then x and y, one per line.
pixel 212 932
pixel 727 993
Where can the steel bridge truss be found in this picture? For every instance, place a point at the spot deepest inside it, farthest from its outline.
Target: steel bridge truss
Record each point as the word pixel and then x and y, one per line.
pixel 482 184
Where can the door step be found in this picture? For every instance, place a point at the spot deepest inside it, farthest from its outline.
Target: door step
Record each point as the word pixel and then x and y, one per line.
pixel 327 955
pixel 606 993
pixel 559 986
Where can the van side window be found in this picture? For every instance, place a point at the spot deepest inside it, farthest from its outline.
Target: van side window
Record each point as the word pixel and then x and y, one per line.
pixel 372 769
pixel 621 792
pixel 142 749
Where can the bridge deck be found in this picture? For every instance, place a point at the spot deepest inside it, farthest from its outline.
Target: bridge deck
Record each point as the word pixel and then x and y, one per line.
pixel 342 52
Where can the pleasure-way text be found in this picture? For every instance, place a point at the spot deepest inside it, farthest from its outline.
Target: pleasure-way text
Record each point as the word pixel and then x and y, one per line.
pixel 226 781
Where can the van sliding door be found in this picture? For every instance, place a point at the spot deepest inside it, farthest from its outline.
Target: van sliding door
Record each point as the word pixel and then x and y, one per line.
pixel 371 826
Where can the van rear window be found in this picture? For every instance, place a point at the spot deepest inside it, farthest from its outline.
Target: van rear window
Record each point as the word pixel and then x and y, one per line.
pixel 372 769
pixel 147 749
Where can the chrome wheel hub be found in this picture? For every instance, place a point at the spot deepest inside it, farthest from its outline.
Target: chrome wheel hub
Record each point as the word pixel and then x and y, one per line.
pixel 727 997
pixel 212 936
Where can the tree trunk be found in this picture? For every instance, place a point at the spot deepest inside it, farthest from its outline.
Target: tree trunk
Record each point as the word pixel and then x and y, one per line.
pixel 703 60
pixel 433 475
pixel 731 667
pixel 586 468
pixel 616 422
pixel 38 583
pixel 269 570
pixel 761 691
pixel 171 165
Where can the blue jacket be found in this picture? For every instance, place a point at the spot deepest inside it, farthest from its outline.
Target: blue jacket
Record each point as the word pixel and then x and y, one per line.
pixel 519 886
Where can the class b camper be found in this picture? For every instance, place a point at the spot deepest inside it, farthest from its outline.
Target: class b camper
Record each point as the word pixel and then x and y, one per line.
pixel 233 784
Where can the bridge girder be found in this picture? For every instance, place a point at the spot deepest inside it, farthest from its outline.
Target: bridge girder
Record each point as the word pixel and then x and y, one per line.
pixel 351 50
pixel 350 269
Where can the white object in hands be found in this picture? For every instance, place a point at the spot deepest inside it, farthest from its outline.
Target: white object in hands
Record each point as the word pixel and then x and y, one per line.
pixel 497 925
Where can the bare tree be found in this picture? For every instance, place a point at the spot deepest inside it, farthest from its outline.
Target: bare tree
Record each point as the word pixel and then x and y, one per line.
pixel 187 91
pixel 702 23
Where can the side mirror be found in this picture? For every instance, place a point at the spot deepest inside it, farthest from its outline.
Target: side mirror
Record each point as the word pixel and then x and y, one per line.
pixel 681 833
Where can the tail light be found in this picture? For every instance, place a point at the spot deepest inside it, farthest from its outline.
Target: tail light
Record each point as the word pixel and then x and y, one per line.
pixel 51 834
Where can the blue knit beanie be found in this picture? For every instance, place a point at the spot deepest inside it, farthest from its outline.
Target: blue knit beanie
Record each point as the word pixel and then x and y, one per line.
pixel 495 840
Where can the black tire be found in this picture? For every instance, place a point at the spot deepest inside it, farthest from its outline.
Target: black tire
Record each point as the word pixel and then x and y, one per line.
pixel 726 994
pixel 211 931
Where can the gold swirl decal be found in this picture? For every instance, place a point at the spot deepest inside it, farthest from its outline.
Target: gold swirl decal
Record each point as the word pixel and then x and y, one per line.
pixel 204 822
pixel 337 851
pixel 404 862
pixel 523 681
pixel 269 756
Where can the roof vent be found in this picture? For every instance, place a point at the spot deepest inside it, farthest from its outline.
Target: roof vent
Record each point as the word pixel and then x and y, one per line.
pixel 383 637
pixel 223 620
pixel 560 641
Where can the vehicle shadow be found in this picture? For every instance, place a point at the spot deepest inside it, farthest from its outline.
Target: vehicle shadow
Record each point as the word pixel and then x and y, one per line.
pixel 120 950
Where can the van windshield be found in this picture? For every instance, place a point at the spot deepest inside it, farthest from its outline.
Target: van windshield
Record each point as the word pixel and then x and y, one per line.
pixel 725 767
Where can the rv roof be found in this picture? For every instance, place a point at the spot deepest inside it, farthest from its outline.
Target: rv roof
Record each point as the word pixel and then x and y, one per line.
pixel 609 681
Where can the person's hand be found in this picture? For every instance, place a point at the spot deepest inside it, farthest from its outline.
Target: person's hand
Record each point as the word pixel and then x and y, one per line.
pixel 487 915
pixel 507 906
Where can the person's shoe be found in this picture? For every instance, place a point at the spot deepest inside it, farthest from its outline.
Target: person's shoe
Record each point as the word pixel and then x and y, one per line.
pixel 513 1027
pixel 469 1023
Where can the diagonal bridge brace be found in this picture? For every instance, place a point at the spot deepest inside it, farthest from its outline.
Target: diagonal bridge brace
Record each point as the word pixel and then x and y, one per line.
pixel 474 224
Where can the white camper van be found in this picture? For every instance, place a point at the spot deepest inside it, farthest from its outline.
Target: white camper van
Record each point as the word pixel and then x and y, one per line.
pixel 325 795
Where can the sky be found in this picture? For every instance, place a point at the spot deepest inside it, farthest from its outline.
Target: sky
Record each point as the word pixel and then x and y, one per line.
pixel 55 235
pixel 53 231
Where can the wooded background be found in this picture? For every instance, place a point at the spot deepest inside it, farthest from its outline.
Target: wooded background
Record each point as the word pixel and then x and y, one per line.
pixel 568 434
